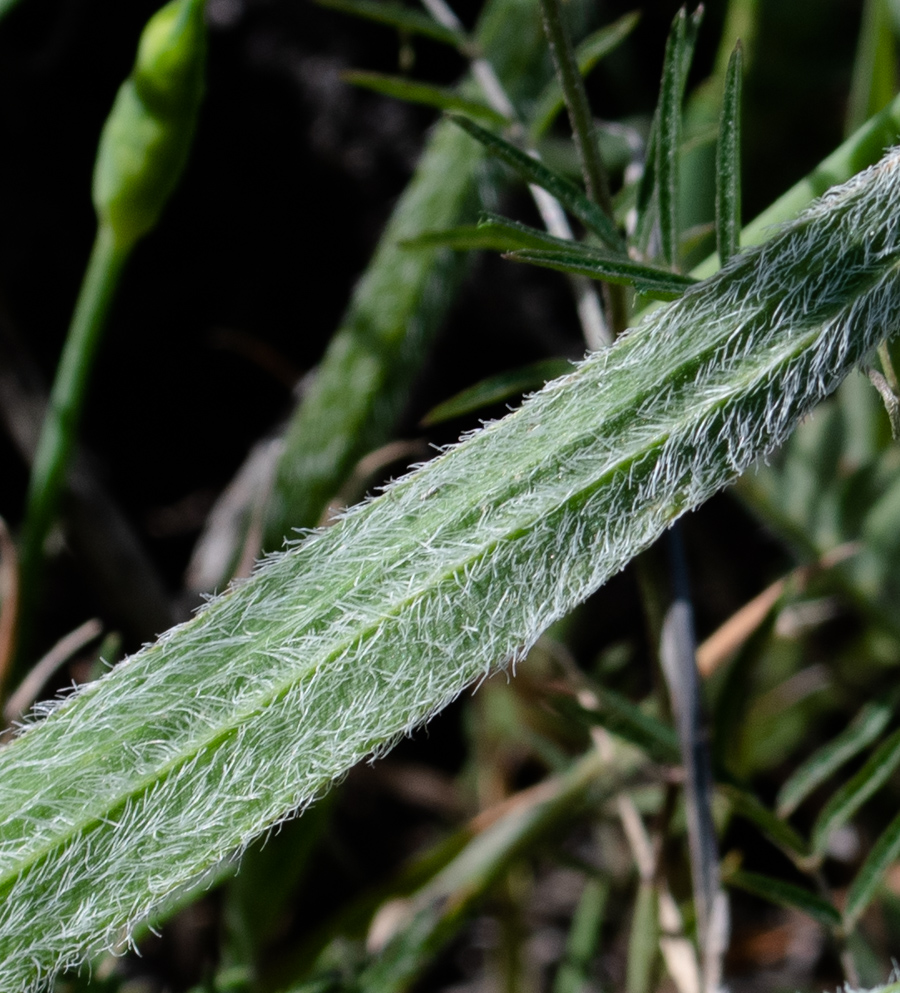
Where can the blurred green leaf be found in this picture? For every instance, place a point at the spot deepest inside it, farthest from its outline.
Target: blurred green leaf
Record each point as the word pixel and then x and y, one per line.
pixel 532 171
pixel 401 17
pixel 643 940
pixel 854 793
pixel 574 971
pixel 493 233
pixel 621 717
pixel 746 805
pixel 787 895
pixel 885 851
pixel 875 67
pixel 440 97
pixel 660 284
pixel 728 162
pixel 495 389
pixel 864 729
pixel 588 54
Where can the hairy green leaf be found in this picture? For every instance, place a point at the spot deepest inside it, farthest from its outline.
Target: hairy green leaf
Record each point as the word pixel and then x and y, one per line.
pixel 142 782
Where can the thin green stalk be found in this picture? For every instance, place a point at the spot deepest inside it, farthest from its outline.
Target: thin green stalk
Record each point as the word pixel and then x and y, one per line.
pixel 143 150
pixel 60 428
pixel 144 780
pixel 580 117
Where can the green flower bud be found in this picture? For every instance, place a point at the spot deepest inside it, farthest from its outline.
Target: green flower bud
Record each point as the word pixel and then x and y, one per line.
pixel 147 136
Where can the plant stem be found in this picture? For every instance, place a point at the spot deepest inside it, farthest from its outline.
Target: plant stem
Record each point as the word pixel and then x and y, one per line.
pixel 60 427
pixel 580 116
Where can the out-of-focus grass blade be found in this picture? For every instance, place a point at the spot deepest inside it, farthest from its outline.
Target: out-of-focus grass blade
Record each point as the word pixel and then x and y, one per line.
pixel 581 948
pixel 787 895
pixel 595 47
pixel 623 718
pixel 875 67
pixel 659 284
pixel 397 15
pixel 532 171
pixel 495 389
pixel 493 233
pixel 854 793
pixel 863 889
pixel 747 806
pixel 431 96
pixel 728 162
pixel 865 728
pixel 643 941
pixel 432 915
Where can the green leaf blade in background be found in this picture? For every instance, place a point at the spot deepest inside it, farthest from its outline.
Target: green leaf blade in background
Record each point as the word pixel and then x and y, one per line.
pixel 152 775
pixel 868 880
pixel 787 895
pixel 854 793
pixel 865 728
pixel 401 17
pixel 411 91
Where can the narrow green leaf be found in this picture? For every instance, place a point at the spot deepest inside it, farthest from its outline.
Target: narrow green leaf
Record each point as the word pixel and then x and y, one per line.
pixel 140 783
pixel 401 17
pixel 431 96
pixel 787 895
pixel 679 55
pixel 587 54
pixel 492 232
pixel 875 66
pixel 643 941
pixel 574 970
pixel 621 717
pixel 728 162
pixel 885 851
pixel 750 808
pixel 532 171
pixel 657 283
pixel 443 904
pixel 581 120
pixel 668 144
pixel 854 793
pixel 858 152
pixel 495 389
pixel 864 729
